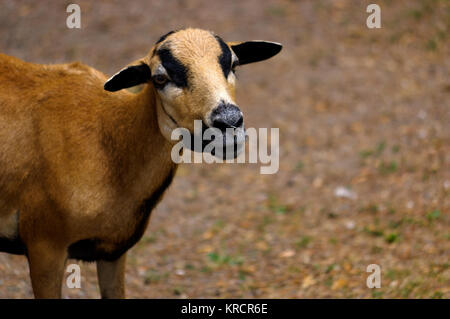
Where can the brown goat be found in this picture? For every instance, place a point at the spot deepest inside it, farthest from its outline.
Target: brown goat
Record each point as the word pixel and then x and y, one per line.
pixel 81 168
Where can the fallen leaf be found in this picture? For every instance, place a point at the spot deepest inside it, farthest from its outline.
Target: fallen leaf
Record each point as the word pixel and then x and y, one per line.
pixel 339 284
pixel 208 235
pixel 308 282
pixel 317 182
pixel 205 249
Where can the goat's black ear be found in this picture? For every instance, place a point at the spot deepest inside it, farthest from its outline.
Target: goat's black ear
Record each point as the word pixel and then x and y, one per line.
pixel 128 77
pixel 255 51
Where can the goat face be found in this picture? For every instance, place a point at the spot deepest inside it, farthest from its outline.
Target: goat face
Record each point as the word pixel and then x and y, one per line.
pixel 192 71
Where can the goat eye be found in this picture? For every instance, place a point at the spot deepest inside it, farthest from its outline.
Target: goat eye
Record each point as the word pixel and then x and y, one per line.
pixel 160 80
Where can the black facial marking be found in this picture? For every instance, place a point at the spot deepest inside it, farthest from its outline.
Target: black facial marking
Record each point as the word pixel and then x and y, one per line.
pixel 225 57
pixel 170 116
pixel 176 70
pixel 164 37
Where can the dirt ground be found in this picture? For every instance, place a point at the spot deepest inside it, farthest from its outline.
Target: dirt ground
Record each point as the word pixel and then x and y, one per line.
pixel 364 172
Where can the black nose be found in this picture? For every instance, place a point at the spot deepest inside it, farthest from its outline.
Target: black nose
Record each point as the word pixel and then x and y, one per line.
pixel 225 116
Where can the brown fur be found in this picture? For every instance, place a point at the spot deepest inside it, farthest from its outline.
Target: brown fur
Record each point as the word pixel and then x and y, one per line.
pixel 75 160
pixel 83 167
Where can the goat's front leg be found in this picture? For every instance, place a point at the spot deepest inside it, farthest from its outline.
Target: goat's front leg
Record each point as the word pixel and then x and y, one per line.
pixel 111 277
pixel 46 268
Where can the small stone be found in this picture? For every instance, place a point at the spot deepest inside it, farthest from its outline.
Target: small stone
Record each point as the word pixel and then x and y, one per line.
pixel 422 114
pixel 344 192
pixel 422 133
pixel 350 224
pixel 180 272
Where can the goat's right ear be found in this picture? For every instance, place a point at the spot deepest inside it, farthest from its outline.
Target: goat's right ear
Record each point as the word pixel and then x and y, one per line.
pixel 128 77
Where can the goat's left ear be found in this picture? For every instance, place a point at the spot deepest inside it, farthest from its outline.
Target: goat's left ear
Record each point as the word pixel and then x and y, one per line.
pixel 254 51
pixel 128 77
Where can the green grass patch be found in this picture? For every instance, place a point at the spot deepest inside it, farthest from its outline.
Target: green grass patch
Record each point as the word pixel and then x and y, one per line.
pixel 395 223
pixel 149 239
pixel 266 221
pixel 373 231
pixel 377 151
pixel 224 259
pixel 299 166
pixel 392 238
pixel 153 276
pixel 388 168
pixel 303 242
pixel 432 45
pixel 433 215
pixel 397 274
pixel 406 291
pixel 276 207
pixel 371 208
pixel 206 269
pixel 437 295
pixel 330 268
pixel 333 240
pixel 380 148
pixel 365 153
pixel 377 294
pixel 177 291
pixel 329 281
pixel 376 249
pixel 189 267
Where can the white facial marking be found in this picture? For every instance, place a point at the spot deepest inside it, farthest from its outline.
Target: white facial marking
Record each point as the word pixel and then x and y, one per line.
pixel 231 78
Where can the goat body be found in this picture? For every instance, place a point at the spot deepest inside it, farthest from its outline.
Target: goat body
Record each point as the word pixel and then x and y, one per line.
pixel 80 168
